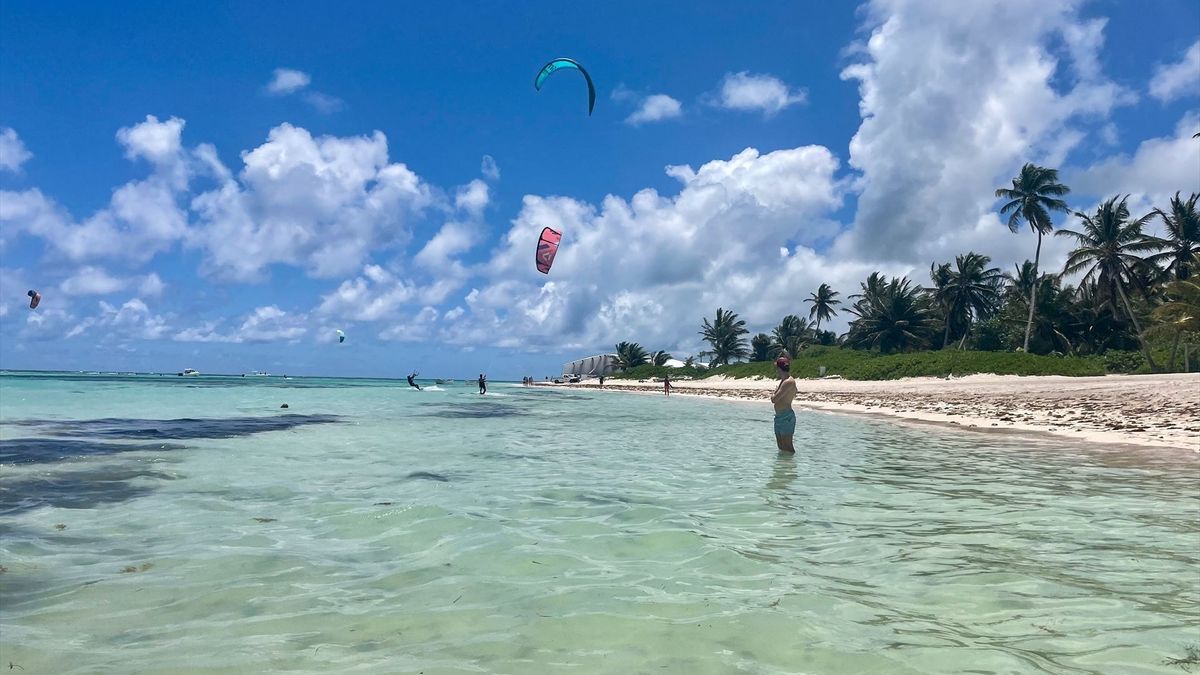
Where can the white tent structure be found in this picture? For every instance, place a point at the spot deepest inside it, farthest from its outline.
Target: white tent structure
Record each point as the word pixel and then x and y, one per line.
pixel 592 366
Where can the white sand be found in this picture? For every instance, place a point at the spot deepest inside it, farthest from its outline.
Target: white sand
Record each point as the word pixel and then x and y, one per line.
pixel 1148 410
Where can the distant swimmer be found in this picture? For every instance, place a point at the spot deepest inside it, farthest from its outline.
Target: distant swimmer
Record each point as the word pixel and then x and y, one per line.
pixel 413 384
pixel 784 394
pixel 482 383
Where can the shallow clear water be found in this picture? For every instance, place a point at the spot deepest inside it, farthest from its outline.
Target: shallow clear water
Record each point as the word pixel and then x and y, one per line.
pixel 373 528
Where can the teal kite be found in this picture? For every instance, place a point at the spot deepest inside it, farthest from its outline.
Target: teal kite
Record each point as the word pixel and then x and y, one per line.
pixel 564 64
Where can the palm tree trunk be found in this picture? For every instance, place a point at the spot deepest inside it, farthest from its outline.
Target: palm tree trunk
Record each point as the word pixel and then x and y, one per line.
pixel 1137 327
pixel 1174 350
pixel 1033 291
pixel 946 333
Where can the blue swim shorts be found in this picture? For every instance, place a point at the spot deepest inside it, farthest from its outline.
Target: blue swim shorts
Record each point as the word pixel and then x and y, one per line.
pixel 785 423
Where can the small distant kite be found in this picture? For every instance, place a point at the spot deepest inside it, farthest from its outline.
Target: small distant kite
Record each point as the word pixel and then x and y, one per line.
pixel 35 299
pixel 546 249
pixel 566 64
pixel 341 337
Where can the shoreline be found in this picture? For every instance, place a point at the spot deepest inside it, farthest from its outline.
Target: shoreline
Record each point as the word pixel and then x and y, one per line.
pixel 1154 411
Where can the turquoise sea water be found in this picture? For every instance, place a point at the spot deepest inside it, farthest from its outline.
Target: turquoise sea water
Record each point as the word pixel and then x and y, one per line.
pixel 168 525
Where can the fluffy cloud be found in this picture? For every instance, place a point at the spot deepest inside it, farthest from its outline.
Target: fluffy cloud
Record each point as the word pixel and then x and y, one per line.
pixel 264 324
pixel 1158 168
pixel 131 320
pixel 950 113
pixel 90 280
pixel 472 197
pixel 655 108
pixel 12 151
pixel 378 294
pixel 320 203
pixel 143 217
pixel 287 81
pixel 764 93
pixel 489 169
pixel 715 241
pixel 1176 80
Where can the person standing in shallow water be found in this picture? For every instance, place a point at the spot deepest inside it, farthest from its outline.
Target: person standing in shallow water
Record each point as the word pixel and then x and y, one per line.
pixel 784 394
pixel 482 384
pixel 667 385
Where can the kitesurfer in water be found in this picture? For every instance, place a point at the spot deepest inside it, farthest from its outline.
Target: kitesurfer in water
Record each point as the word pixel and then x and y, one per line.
pixel 413 384
pixel 482 383
pixel 784 394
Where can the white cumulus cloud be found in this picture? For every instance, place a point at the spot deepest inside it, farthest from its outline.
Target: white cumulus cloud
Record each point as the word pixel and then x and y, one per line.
pixel 755 92
pixel 287 81
pixel 321 203
pixel 12 151
pixel 1176 80
pixel 654 108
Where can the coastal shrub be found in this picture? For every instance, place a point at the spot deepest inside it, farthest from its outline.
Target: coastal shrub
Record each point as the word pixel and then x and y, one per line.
pixel 1123 362
pixel 854 364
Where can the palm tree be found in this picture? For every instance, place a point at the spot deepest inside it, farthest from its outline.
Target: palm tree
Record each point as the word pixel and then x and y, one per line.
pixel 967 292
pixel 1032 198
pixel 822 304
pixel 1020 284
pixel 689 362
pixel 897 317
pixel 1181 313
pixel 660 358
pixel 760 345
pixel 1107 250
pixel 630 355
pixel 790 335
pixel 1183 236
pixel 725 335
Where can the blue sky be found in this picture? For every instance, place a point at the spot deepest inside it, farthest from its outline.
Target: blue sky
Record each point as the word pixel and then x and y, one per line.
pixel 237 226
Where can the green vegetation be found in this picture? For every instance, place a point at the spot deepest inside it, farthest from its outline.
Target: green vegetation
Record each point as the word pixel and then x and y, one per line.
pixel 854 364
pixel 1132 309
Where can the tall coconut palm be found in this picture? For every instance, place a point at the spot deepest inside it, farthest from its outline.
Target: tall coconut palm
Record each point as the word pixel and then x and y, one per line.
pixel 896 317
pixel 630 355
pixel 659 358
pixel 760 345
pixel 822 304
pixel 968 291
pixel 724 334
pixel 1032 198
pixel 790 336
pixel 1182 242
pixel 1108 248
pixel 1181 313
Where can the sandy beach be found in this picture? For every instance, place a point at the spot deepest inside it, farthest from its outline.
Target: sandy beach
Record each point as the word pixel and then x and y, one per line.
pixel 1147 410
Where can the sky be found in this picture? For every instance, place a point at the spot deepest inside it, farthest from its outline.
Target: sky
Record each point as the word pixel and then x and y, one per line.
pixel 222 186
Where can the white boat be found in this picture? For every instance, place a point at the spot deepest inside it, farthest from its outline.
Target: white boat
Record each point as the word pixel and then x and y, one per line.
pixel 259 373
pixel 190 372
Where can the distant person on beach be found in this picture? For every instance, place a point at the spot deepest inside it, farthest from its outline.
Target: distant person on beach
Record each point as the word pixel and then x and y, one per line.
pixel 482 383
pixel 667 385
pixel 784 394
pixel 413 384
pixel 602 381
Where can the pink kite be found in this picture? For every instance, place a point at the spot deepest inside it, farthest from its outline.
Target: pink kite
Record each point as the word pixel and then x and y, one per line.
pixel 547 247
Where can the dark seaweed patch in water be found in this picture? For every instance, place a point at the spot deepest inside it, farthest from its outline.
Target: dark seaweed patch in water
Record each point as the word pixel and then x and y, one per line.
pixel 75 489
pixel 425 475
pixel 47 450
pixel 477 411
pixel 183 428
